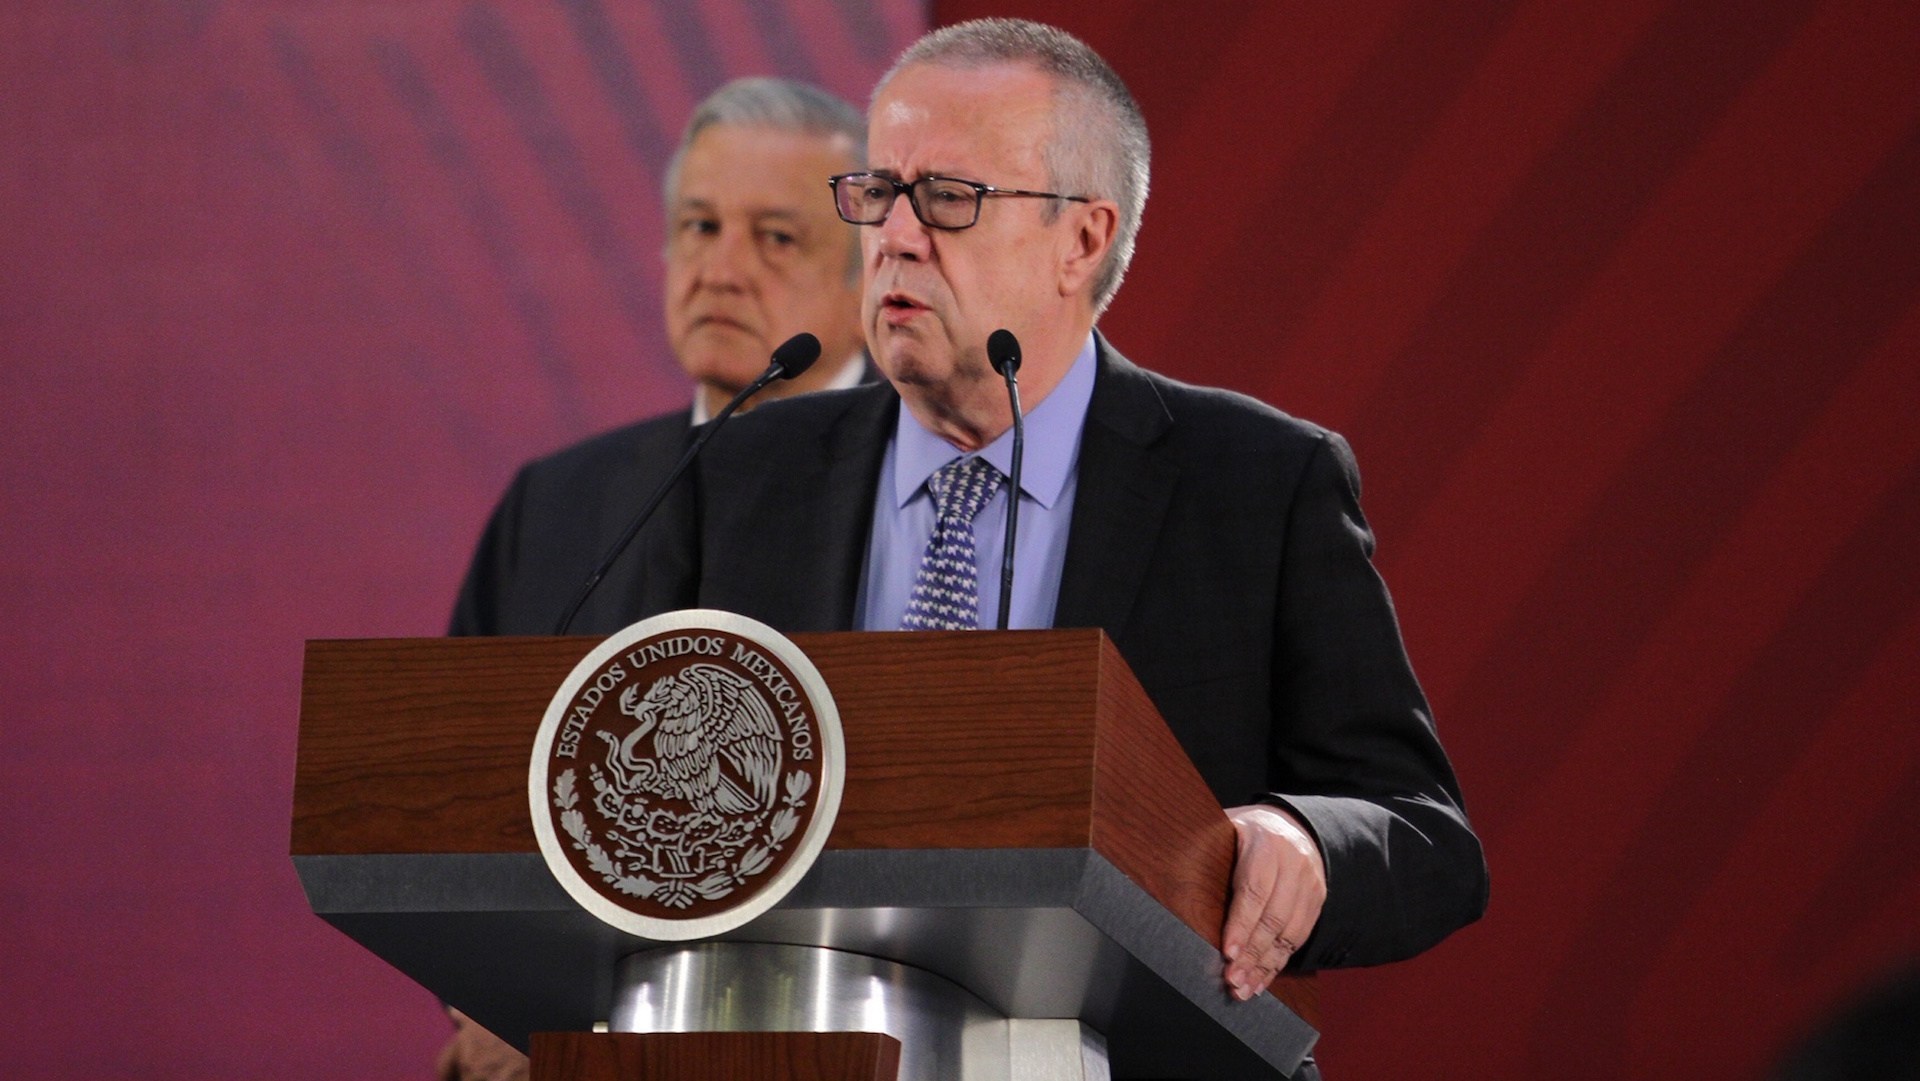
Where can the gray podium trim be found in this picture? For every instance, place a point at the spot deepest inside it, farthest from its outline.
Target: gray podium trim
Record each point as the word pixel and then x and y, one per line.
pixel 1036 933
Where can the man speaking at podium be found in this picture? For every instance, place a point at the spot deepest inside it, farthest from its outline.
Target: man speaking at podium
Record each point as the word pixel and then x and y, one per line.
pixel 1219 542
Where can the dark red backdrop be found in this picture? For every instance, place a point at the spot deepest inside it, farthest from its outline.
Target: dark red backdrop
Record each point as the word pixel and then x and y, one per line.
pixel 1619 302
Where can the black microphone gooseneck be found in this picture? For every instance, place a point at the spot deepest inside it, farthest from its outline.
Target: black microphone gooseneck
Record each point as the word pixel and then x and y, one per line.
pixel 1003 352
pixel 794 356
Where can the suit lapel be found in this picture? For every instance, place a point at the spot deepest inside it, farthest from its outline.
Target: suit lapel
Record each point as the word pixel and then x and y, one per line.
pixel 620 597
pixel 792 533
pixel 851 452
pixel 1124 488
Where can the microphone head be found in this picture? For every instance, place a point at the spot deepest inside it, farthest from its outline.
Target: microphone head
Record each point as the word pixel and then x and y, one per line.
pixel 1003 351
pixel 796 354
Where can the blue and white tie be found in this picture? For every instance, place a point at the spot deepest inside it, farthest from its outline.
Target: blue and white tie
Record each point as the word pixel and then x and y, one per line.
pixel 946 591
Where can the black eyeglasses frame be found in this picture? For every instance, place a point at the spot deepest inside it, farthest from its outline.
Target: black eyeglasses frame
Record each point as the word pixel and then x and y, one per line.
pixel 901 187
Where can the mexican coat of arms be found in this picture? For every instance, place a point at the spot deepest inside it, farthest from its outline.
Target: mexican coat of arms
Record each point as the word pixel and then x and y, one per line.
pixel 686 774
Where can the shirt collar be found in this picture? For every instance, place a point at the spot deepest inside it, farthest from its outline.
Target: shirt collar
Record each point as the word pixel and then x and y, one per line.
pixel 849 375
pixel 1053 441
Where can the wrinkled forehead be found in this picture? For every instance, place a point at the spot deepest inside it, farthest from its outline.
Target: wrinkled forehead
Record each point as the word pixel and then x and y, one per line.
pixel 986 123
pixel 761 168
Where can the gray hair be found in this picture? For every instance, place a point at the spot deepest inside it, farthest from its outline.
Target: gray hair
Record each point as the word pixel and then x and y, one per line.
pixel 780 104
pixel 1098 145
pixel 783 105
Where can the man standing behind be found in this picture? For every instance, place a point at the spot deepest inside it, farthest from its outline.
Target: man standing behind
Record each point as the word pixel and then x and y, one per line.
pixel 754 256
pixel 1218 541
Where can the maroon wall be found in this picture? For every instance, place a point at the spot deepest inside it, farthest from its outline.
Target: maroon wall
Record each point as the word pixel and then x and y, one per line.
pixel 1619 302
pixel 288 288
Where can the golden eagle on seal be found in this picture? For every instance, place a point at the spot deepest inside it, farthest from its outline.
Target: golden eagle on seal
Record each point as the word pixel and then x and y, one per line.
pixel 715 742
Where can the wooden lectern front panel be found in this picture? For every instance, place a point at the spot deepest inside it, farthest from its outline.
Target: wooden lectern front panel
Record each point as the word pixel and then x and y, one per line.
pixel 422 745
pixel 715 1056
pixel 955 740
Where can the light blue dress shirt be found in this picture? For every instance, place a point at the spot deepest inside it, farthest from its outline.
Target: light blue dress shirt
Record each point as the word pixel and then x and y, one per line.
pixel 903 510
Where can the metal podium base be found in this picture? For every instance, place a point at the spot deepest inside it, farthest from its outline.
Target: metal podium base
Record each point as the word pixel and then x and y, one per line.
pixel 945 1033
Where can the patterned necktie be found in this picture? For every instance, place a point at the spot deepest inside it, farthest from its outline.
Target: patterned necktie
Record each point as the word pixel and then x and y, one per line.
pixel 946 591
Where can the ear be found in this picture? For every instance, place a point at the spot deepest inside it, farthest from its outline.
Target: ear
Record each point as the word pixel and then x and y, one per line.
pixel 1090 238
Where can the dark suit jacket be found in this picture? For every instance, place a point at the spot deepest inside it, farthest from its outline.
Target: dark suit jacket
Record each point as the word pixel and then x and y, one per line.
pixel 1220 544
pixel 557 520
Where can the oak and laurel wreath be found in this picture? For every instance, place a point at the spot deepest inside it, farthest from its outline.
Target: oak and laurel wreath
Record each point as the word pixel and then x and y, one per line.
pixel 714 886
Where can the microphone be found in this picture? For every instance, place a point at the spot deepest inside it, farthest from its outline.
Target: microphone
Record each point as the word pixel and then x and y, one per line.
pixel 1003 352
pixel 789 360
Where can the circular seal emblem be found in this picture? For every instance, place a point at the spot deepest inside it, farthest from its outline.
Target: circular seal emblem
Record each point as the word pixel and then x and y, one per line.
pixel 686 774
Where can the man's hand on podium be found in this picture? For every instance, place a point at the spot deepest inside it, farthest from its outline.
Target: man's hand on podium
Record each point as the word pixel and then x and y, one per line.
pixel 1279 884
pixel 474 1054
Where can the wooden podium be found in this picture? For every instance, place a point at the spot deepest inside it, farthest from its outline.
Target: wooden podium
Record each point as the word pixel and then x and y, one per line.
pixel 1017 820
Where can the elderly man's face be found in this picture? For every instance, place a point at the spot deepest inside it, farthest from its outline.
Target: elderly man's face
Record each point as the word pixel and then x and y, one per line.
pixel 756 254
pixel 932 297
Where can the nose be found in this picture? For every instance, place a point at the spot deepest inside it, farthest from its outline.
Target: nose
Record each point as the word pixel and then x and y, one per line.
pixel 723 263
pixel 902 236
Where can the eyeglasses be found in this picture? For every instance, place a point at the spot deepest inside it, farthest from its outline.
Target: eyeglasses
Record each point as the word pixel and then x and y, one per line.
pixel 940 202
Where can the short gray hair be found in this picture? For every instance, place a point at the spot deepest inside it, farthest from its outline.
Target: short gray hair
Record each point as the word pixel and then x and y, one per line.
pixel 780 104
pixel 783 105
pixel 1098 145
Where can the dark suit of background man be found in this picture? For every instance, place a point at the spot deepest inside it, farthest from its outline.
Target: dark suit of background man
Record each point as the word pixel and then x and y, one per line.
pixel 1218 541
pixel 755 254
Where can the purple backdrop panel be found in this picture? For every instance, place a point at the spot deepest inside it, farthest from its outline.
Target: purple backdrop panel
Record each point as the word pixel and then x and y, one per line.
pixel 288 291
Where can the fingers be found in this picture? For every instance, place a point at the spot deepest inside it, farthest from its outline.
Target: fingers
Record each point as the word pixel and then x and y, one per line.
pixel 1279 885
pixel 476 1054
pixel 1275 936
pixel 1284 935
pixel 1253 884
pixel 447 1068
